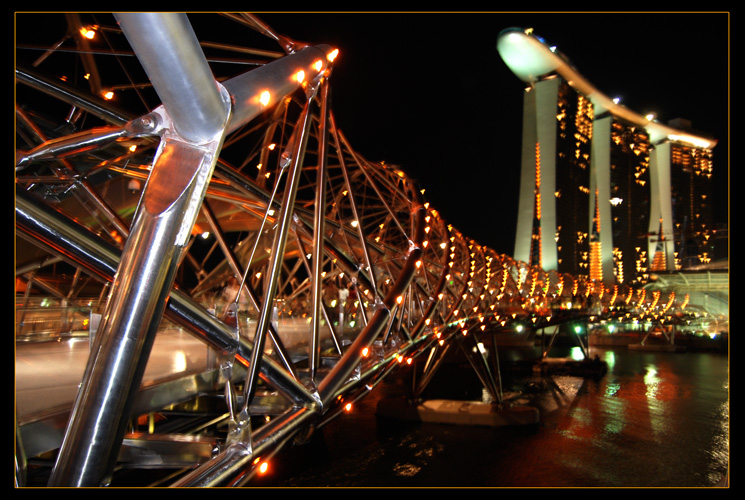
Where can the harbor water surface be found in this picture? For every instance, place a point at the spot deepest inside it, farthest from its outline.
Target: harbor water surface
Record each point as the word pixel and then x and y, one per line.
pixel 655 419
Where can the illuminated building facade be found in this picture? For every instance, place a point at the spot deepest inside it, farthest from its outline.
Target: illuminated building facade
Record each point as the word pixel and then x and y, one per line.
pixel 629 199
pixel 600 183
pixel 691 196
pixel 555 183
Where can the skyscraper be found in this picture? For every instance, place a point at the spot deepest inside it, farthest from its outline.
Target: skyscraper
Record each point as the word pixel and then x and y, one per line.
pixel 601 186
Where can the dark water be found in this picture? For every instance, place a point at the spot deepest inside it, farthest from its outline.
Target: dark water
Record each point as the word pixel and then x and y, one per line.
pixel 653 420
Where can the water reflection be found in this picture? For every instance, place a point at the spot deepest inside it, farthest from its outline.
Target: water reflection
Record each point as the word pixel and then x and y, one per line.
pixel 654 420
pixel 609 357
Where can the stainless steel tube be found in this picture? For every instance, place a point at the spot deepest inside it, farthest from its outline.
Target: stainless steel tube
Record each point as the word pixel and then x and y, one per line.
pixel 276 78
pixel 131 317
pixel 319 229
pixel 278 249
pixel 170 53
pixel 192 135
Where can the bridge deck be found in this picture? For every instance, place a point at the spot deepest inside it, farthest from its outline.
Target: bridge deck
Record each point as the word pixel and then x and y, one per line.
pixel 48 373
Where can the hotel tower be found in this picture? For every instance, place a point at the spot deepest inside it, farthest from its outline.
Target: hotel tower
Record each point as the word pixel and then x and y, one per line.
pixel 604 192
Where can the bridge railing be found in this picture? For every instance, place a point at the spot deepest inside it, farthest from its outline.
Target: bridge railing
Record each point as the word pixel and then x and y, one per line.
pixel 51 323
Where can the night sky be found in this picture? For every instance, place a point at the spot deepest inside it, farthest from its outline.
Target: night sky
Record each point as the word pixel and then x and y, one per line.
pixel 429 93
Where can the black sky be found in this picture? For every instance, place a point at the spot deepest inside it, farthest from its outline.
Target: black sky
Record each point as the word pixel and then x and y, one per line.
pixel 429 92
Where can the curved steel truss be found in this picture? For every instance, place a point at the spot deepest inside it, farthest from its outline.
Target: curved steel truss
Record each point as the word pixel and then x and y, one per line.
pixel 219 196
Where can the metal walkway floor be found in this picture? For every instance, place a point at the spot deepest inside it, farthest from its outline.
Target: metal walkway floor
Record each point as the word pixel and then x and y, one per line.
pixel 47 376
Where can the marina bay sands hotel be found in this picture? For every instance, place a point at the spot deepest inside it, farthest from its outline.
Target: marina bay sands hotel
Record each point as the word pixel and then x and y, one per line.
pixel 604 192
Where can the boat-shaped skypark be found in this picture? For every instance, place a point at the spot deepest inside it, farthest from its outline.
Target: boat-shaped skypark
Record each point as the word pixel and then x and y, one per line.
pixel 532 59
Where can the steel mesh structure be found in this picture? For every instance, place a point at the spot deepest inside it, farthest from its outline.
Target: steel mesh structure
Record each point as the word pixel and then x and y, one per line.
pixel 220 196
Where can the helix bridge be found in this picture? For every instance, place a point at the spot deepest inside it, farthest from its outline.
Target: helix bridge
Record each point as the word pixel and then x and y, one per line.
pixel 217 197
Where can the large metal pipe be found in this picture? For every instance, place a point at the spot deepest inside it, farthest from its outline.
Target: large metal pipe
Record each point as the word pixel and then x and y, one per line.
pixel 132 315
pixel 192 135
pixel 169 52
pixel 67 93
pixel 254 91
pixel 232 462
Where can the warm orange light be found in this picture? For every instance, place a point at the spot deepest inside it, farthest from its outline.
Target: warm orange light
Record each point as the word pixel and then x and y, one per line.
pixel 263 467
pixel 348 406
pixel 300 76
pixel 318 65
pixel 108 95
pixel 332 55
pixel 87 33
pixel 365 351
pixel 265 97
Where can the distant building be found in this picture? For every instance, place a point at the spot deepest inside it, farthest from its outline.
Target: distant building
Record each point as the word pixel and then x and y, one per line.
pixel 604 191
